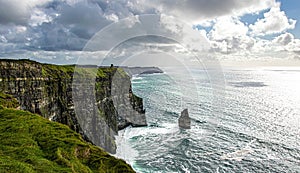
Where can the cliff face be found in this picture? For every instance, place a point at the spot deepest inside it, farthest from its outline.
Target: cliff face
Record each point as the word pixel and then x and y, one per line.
pixel 48 90
pixel 129 107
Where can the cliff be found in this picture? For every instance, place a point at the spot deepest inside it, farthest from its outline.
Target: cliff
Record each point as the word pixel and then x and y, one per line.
pixel 49 90
pixel 31 143
pixel 129 107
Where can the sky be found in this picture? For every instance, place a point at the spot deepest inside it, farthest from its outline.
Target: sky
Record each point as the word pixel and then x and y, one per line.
pixel 265 32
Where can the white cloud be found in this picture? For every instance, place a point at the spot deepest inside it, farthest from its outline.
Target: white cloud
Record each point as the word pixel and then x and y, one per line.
pixel 231 38
pixel 206 23
pixel 286 42
pixel 227 27
pixel 230 35
pixel 284 39
pixel 274 21
pixel 294 46
pixel 283 47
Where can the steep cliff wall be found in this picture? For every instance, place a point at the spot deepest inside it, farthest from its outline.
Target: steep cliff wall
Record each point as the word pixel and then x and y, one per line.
pixel 47 90
pixel 129 106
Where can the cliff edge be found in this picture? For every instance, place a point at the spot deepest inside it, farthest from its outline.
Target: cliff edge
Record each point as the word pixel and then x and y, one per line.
pixel 48 90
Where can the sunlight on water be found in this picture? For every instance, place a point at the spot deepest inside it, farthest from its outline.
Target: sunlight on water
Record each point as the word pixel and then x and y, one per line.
pixel 256 130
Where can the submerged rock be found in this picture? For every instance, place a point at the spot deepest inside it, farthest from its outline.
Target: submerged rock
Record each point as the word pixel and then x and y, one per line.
pixel 184 120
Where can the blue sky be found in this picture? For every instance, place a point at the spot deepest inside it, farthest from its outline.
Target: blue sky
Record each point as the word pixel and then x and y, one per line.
pixel 292 9
pixel 56 31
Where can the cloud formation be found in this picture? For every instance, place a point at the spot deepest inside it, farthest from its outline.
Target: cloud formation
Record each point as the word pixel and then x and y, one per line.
pixel 274 21
pixel 284 39
pixel 18 12
pixel 198 10
pixel 67 25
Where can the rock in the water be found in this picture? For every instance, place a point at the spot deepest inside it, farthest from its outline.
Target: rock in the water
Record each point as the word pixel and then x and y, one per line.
pixel 184 120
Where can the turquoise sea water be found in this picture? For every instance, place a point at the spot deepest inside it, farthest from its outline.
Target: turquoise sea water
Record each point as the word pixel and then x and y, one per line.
pixel 254 126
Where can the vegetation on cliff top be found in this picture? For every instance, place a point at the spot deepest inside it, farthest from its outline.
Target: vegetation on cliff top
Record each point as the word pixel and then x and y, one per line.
pixel 29 69
pixel 30 143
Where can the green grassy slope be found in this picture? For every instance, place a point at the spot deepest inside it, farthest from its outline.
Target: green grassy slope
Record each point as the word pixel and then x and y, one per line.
pixel 30 143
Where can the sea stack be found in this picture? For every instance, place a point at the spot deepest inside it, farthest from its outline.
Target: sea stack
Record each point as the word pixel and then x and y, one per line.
pixel 184 120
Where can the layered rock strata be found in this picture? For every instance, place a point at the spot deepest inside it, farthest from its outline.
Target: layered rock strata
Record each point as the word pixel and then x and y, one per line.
pixel 84 103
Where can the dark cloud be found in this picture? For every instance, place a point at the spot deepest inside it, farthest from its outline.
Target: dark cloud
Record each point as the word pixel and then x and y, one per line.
pixel 13 11
pixel 69 24
pixel 83 19
pixel 19 12
pixel 56 38
pixel 70 27
pixel 201 9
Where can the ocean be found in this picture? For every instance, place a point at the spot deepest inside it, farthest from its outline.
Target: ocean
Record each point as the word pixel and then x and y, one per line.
pixel 252 125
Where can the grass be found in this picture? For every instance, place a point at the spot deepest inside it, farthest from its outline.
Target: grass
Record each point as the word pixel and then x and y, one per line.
pixel 56 71
pixel 30 143
pixel 52 71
